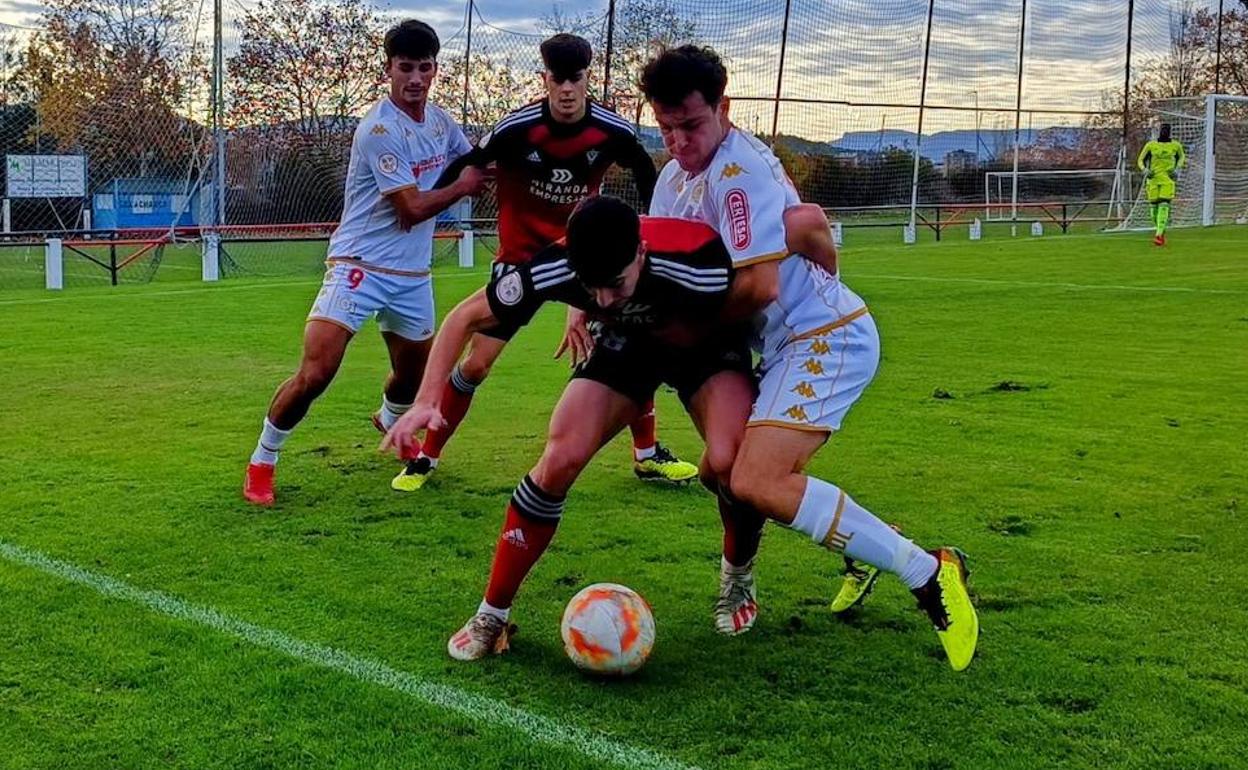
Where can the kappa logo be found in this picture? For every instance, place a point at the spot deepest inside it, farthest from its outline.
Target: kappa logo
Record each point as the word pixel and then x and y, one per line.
pixel 592 155
pixel 379 130
pixel 731 171
pixel 560 176
pixel 738 206
pixel 804 389
pixel 516 538
pixel 534 157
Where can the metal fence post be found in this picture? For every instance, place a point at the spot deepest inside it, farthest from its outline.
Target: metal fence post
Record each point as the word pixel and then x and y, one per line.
pixel 784 40
pixel 918 137
pixel 606 59
pixel 463 115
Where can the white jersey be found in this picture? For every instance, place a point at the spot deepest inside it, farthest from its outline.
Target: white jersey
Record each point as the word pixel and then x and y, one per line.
pixel 743 194
pixel 391 151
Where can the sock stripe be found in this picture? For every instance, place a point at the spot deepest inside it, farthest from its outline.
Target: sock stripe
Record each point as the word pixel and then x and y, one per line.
pixel 462 383
pixel 531 501
pixel 835 540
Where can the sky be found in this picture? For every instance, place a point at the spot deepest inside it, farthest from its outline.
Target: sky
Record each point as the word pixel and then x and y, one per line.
pixel 858 51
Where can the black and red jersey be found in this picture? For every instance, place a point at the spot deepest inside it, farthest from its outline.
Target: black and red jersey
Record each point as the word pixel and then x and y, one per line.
pixel 685 277
pixel 544 168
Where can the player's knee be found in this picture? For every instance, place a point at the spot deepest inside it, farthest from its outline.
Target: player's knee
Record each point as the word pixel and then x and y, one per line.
pixel 748 485
pixel 475 368
pixel 561 463
pixel 715 468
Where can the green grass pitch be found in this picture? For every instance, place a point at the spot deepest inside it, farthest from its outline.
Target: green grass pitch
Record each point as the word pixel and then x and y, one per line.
pixel 1070 410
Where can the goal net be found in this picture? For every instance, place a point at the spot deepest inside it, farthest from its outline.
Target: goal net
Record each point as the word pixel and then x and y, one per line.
pixel 1212 187
pixel 1093 190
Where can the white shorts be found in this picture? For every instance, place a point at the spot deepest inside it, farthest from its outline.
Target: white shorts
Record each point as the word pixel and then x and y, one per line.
pixel 351 294
pixel 811 382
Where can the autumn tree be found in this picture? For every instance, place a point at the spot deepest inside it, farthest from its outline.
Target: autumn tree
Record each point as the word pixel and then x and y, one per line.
pixel 497 84
pixel 111 78
pixel 306 65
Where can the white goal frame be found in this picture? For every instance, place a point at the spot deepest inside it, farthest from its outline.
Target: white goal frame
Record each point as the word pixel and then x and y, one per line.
pixel 1204 163
pixel 996 209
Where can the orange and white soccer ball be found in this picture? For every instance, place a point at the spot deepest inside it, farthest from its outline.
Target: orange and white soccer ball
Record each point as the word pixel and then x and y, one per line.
pixel 608 629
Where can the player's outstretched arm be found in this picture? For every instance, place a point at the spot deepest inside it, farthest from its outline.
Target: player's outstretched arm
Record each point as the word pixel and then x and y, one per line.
pixel 807 232
pixel 468 317
pixel 415 206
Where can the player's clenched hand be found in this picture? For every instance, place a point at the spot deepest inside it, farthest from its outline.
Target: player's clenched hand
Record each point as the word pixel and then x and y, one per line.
pixel 472 180
pixel 401 438
pixel 576 337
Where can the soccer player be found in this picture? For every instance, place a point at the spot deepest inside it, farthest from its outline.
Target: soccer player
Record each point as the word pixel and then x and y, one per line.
pixel 819 345
pixel 548 156
pixel 1160 160
pixel 646 282
pixel 379 256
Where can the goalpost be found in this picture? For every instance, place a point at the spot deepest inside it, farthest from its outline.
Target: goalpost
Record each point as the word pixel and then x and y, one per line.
pixel 1212 187
pixel 1091 186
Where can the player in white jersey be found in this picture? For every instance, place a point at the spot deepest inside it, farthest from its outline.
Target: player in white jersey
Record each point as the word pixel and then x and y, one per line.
pixel 818 343
pixel 379 257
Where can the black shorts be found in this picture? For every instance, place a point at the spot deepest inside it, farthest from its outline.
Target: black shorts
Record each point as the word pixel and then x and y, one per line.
pixel 635 364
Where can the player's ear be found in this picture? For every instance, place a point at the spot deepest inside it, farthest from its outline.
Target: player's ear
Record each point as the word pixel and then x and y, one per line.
pixel 723 106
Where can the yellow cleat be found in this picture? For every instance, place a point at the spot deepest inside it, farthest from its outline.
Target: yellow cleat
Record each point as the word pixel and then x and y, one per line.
pixel 413 476
pixel 665 466
pixel 947 601
pixel 859 580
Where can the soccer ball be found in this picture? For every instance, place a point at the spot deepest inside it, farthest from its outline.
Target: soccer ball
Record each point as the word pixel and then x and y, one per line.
pixel 608 629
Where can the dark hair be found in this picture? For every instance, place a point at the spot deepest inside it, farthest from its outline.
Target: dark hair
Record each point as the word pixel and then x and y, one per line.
pixel 603 236
pixel 565 55
pixel 412 39
pixel 1163 134
pixel 677 72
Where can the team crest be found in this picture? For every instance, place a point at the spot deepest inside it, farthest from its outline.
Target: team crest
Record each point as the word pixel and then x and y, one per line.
pixel 510 289
pixel 387 163
pixel 592 155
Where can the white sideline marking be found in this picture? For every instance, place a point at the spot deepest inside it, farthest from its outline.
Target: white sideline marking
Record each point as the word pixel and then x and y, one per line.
pixel 1050 284
pixel 202 289
pixel 475 707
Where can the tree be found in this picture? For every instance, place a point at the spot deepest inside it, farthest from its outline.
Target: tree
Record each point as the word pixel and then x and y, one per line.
pixel 1233 74
pixel 496 86
pixel 305 65
pixel 109 78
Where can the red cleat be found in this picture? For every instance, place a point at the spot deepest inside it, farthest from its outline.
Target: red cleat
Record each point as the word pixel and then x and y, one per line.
pixel 258 487
pixel 1159 240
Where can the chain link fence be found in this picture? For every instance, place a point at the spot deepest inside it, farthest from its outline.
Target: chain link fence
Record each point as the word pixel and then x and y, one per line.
pixel 881 110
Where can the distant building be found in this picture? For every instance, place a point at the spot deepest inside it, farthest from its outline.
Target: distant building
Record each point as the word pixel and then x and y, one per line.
pixel 959 161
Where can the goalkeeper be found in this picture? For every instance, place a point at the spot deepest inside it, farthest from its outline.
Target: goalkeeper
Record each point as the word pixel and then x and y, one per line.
pixel 1160 161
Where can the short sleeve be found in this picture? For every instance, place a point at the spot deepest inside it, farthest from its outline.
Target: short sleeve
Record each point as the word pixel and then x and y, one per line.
pixel 457 145
pixel 749 206
pixel 385 152
pixel 512 297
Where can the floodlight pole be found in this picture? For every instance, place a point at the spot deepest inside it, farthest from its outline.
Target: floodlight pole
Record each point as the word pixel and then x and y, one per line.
pixel 218 110
pixel 1018 113
pixel 918 139
pixel 784 39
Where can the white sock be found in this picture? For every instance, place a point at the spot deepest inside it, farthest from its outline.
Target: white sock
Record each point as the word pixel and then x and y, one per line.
pixel 832 518
pixel 391 412
pixel 433 461
pixel 728 568
pixel 489 609
pixel 640 455
pixel 270 443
